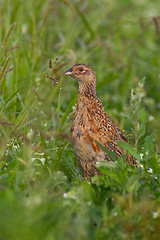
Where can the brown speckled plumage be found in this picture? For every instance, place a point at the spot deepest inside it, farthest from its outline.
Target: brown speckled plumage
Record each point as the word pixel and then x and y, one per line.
pixel 92 124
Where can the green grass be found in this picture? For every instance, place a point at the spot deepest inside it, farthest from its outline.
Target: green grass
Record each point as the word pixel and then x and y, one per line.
pixel 42 192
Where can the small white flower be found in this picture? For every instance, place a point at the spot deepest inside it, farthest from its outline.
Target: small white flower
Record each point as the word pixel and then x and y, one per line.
pixel 39 153
pixel 65 195
pixel 30 134
pixel 150 118
pixel 150 170
pixel 115 214
pixel 140 85
pixel 141 155
pixel 43 160
pixel 155 214
pixel 37 79
pixel 24 28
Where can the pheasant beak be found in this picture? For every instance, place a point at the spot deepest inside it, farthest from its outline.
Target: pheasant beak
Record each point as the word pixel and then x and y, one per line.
pixel 69 71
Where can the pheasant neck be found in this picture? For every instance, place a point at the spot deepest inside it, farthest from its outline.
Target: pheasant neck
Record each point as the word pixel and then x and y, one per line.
pixel 88 89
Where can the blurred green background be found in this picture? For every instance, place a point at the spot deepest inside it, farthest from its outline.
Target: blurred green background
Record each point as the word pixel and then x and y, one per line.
pixel 42 192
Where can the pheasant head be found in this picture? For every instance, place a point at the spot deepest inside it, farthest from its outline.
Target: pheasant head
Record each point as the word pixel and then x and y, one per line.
pixel 86 78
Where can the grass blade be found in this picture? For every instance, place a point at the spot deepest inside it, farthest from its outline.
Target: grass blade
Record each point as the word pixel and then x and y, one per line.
pixel 4 68
pixel 69 109
pixel 8 34
pixel 85 21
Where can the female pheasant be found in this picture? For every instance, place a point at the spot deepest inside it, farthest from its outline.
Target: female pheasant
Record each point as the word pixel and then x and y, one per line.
pixel 91 124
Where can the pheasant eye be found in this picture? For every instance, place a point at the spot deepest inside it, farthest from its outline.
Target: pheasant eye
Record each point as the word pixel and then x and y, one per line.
pixel 81 69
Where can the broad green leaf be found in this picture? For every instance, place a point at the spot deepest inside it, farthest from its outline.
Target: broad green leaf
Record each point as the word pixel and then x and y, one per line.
pixel 129 149
pixel 112 155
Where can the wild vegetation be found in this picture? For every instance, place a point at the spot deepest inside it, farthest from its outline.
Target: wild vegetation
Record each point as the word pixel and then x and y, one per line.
pixel 42 192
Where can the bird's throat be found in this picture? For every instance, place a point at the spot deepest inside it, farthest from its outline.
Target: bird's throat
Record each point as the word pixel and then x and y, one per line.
pixel 87 89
